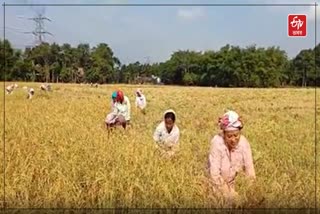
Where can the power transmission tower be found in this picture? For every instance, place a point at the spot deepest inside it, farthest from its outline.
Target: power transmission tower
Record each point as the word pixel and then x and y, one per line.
pixel 39 31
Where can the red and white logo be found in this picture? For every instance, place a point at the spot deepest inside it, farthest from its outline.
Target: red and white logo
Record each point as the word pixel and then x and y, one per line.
pixel 297 25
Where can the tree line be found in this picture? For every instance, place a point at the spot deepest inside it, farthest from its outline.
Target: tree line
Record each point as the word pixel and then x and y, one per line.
pixel 231 66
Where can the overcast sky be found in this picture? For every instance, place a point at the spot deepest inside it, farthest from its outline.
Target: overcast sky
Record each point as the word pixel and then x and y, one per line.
pixel 141 33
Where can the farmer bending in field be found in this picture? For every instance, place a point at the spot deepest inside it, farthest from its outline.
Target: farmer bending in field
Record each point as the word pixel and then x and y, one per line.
pixel 126 102
pixel 141 101
pixel 229 153
pixel 167 134
pixel 119 114
pixel 10 88
pixel 30 93
pixel 45 87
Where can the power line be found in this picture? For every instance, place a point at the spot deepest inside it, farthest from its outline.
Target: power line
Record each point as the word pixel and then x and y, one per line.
pixel 12 29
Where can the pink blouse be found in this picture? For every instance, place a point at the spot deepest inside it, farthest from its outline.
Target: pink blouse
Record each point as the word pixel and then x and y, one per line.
pixel 225 165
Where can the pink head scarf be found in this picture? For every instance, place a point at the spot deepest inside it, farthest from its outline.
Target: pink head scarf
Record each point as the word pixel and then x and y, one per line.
pixel 230 121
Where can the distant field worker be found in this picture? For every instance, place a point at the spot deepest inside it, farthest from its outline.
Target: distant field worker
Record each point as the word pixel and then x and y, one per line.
pixel 119 114
pixel 30 93
pixel 45 87
pixel 230 152
pixel 167 134
pixel 141 101
pixel 10 88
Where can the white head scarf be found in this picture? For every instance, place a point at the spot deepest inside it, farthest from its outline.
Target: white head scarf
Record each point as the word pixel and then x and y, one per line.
pixel 170 111
pixel 230 121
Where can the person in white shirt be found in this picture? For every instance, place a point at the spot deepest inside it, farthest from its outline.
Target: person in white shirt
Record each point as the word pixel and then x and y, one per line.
pixel 45 87
pixel 119 114
pixel 167 134
pixel 141 101
pixel 30 93
pixel 126 102
pixel 10 88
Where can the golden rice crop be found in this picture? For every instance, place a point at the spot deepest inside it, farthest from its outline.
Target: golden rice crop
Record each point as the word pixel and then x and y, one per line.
pixel 59 154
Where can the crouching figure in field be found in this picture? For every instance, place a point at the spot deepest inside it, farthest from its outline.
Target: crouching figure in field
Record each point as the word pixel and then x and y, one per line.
pixel 167 134
pixel 30 93
pixel 10 88
pixel 120 112
pixel 141 101
pixel 230 152
pixel 45 87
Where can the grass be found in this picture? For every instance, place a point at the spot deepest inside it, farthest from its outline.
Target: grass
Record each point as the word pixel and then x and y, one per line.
pixel 58 153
